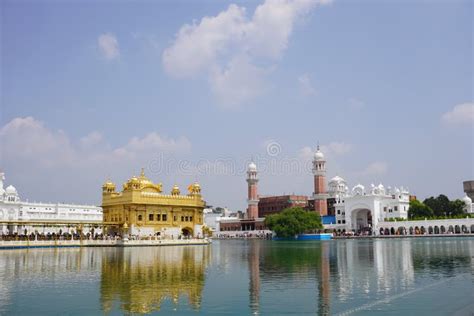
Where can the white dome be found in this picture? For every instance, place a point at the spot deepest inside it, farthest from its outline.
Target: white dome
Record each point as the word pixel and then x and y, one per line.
pixel 358 189
pixel 337 179
pixel 467 200
pixel 252 166
pixel 10 190
pixel 318 155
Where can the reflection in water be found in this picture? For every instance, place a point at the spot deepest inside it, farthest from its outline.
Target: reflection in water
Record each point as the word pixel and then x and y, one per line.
pixel 243 277
pixel 254 274
pixel 346 271
pixel 141 281
pixel 324 288
pixel 272 261
pixel 445 257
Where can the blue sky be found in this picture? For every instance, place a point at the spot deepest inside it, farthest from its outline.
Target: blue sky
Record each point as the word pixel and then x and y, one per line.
pixel 95 90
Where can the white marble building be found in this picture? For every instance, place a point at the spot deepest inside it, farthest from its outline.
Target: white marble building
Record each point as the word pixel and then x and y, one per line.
pixel 17 216
pixel 469 206
pixel 361 209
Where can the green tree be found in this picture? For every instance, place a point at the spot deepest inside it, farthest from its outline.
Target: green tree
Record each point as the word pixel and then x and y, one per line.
pixel 456 207
pixel 418 209
pixel 293 221
pixel 440 205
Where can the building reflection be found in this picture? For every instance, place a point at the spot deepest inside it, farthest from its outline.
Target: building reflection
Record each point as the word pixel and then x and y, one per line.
pixel 267 262
pixel 140 280
pixel 254 273
pixel 324 284
pixel 357 261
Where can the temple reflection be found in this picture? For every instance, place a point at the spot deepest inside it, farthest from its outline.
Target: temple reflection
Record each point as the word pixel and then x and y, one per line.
pixel 142 280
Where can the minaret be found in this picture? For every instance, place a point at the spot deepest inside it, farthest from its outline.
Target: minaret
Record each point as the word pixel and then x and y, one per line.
pixel 252 180
pixel 2 178
pixel 320 192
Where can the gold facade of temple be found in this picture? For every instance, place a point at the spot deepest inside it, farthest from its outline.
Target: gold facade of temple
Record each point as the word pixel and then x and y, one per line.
pixel 142 209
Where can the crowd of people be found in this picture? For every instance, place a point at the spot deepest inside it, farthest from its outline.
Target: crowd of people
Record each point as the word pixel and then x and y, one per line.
pixel 244 235
pixel 55 236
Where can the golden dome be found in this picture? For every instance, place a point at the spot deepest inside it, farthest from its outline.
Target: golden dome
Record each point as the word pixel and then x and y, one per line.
pixel 194 189
pixel 143 179
pixel 175 190
pixel 108 186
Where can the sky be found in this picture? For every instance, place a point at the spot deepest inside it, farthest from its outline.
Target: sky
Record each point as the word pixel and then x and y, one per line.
pixel 192 91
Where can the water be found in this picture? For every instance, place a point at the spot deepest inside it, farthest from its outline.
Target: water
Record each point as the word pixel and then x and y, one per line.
pixel 422 276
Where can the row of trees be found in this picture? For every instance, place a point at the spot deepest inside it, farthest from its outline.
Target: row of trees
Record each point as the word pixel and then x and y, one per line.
pixel 432 207
pixel 293 221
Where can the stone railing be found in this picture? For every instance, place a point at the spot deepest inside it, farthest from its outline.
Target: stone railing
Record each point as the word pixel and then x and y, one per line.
pixel 98 243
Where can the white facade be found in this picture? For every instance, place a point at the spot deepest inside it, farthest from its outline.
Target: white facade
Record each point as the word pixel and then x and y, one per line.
pixel 469 206
pixel 359 209
pixel 16 216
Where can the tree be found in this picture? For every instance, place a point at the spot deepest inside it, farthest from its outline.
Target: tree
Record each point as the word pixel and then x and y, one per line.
pixel 440 205
pixel 293 221
pixel 418 209
pixel 457 207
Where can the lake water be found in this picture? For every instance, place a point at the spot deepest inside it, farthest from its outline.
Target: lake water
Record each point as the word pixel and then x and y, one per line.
pixel 418 276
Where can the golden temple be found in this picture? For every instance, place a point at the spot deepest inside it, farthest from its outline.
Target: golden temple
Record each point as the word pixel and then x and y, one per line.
pixel 142 209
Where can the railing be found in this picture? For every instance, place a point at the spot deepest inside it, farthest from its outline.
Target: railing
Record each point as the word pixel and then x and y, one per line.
pixel 99 243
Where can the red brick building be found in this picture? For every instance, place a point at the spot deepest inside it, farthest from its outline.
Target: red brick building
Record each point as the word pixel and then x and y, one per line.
pixel 275 204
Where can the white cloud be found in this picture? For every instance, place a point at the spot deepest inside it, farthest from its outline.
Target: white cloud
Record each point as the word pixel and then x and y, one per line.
pixel 217 45
pixel 47 164
pixel 27 141
pixel 27 138
pixel 306 153
pixel 239 82
pixel 306 86
pixel 336 148
pixel 375 169
pixel 108 46
pixel 92 139
pixel 460 114
pixel 153 143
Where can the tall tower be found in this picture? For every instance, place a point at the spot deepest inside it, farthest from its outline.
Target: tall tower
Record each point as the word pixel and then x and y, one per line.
pixel 320 194
pixel 252 180
pixel 2 178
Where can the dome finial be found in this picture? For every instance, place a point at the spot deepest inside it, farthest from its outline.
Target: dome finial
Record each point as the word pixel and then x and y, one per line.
pixel 142 173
